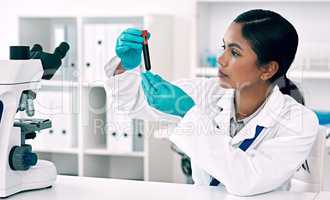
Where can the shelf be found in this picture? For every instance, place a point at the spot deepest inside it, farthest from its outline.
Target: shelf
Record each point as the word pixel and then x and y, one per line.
pixel 206 71
pixel 59 83
pixel 209 71
pixel 80 94
pixel 93 84
pixel 105 152
pixel 57 150
pixel 309 74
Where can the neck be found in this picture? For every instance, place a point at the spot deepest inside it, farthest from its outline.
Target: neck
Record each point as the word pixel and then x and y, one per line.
pixel 248 99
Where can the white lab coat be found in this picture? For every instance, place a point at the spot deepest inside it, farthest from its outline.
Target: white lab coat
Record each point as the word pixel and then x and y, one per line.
pixel 203 133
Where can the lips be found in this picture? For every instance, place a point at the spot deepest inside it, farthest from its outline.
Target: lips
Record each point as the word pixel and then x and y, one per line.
pixel 221 74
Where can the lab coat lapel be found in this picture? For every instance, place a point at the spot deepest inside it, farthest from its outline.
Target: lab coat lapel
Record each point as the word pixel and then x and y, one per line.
pixel 247 132
pixel 267 117
pixel 225 103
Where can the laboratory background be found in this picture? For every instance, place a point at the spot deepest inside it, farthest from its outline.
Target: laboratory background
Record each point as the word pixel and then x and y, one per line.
pixel 86 139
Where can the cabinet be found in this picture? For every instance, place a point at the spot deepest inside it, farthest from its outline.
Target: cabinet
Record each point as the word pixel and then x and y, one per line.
pixel 80 143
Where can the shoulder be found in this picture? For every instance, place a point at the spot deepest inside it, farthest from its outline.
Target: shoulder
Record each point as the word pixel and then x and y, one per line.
pixel 297 118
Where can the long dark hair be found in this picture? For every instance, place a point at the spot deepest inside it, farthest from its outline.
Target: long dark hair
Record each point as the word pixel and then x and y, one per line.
pixel 273 38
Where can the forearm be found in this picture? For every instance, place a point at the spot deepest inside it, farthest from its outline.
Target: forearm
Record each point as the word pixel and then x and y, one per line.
pixel 261 168
pixel 126 94
pixel 122 88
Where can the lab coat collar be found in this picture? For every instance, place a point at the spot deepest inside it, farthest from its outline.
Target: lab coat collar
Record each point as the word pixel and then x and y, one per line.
pixel 270 114
pixel 224 105
pixel 267 117
pixel 226 101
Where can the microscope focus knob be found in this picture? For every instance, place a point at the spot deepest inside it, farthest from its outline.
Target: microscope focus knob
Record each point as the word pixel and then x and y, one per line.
pixel 30 158
pixel 22 157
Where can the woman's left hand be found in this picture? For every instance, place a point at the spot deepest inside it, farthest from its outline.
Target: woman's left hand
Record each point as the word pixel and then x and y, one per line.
pixel 165 96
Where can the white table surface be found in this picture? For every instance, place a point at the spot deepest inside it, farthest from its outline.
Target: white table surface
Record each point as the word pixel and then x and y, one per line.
pixel 81 188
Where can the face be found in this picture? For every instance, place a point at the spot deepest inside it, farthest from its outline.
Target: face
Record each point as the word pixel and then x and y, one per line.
pixel 238 63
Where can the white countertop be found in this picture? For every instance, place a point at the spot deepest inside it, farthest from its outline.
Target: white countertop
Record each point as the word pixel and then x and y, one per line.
pixel 81 188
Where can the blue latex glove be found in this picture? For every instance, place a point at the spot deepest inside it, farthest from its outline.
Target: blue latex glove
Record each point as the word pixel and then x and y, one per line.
pixel 129 48
pixel 165 96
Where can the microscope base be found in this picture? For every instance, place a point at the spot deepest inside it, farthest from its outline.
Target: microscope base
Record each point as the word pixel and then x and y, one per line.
pixel 42 175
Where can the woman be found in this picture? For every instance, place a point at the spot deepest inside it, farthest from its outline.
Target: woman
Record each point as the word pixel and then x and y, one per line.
pixel 239 129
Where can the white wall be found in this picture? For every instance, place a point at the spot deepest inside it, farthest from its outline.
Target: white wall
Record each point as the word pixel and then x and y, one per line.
pixel 181 10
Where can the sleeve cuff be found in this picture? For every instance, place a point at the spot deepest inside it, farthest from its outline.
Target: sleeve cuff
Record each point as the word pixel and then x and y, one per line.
pixel 111 66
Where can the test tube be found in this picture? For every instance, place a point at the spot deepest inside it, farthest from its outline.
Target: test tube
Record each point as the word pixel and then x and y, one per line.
pixel 145 50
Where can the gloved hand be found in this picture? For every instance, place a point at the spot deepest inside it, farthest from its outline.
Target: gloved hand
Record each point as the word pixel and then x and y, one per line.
pixel 129 48
pixel 165 96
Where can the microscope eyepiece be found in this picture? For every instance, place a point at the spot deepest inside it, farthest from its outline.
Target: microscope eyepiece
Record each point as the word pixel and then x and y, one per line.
pixel 50 61
pixel 36 47
pixel 19 52
pixel 62 49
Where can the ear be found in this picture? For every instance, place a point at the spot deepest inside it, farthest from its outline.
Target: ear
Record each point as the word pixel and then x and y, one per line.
pixel 269 70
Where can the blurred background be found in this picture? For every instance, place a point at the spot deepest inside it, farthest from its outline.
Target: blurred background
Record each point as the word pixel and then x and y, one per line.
pixel 186 37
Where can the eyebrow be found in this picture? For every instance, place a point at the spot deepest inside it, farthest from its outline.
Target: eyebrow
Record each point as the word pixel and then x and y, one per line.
pixel 233 45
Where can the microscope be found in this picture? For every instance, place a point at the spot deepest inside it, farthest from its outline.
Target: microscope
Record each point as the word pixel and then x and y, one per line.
pixel 20 79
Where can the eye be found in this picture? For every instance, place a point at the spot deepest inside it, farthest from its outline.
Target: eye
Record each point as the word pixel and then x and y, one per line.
pixel 223 46
pixel 235 53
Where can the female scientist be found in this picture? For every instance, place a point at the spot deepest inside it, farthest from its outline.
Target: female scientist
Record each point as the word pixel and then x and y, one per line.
pixel 241 130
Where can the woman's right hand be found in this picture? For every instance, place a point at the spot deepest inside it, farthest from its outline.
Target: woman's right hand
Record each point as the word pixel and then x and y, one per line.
pixel 129 48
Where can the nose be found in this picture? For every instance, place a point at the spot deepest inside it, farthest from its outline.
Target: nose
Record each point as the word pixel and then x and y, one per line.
pixel 222 60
